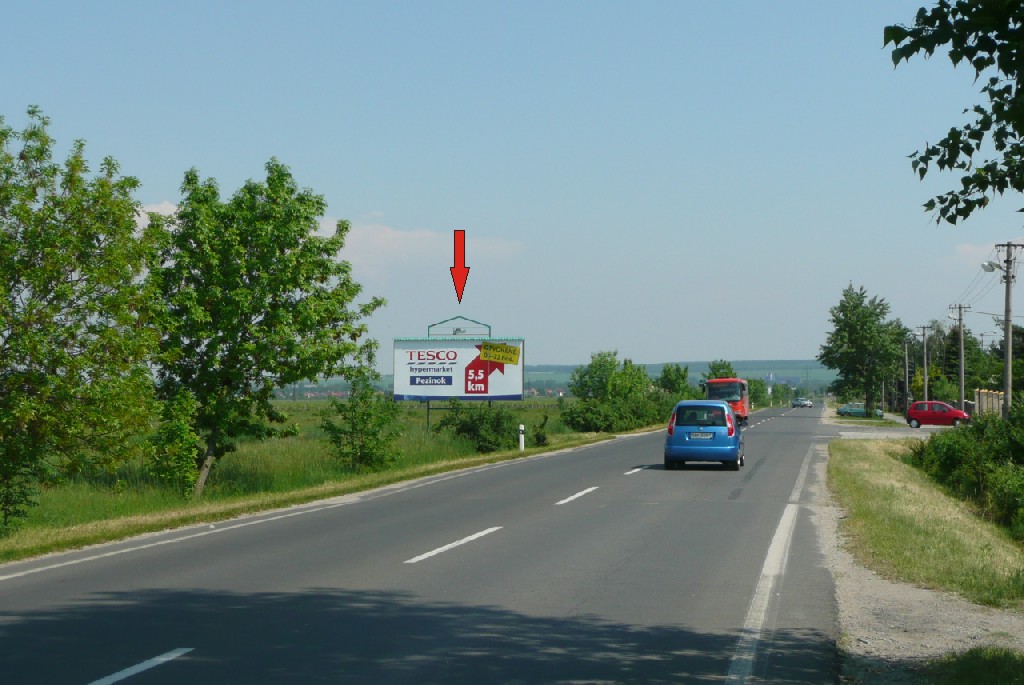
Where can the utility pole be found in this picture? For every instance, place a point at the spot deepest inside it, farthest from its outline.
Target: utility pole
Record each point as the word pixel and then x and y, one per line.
pixel 924 332
pixel 1008 278
pixel 906 375
pixel 960 327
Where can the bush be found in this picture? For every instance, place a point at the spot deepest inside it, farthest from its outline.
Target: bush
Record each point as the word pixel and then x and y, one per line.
pixel 176 447
pixel 365 427
pixel 614 398
pixel 1004 496
pixel 540 433
pixel 18 491
pixel 617 415
pixel 489 428
pixel 982 463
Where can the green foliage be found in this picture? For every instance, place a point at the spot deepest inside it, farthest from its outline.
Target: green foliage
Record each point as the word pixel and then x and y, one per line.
pixel 719 368
pixel 75 325
pixel 675 380
pixel 18 478
pixel 255 300
pixel 616 398
pixel 986 35
pixel 782 395
pixel 591 382
pixel 540 433
pixel 489 428
pixel 177 448
pixel 977 665
pixel 366 426
pixel 863 347
pixel 758 390
pixel 982 462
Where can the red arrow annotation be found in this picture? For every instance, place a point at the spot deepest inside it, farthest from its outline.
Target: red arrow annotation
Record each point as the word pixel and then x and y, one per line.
pixel 460 272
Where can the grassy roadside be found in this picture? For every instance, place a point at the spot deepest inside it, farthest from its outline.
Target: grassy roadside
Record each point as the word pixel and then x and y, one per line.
pixel 901 525
pixel 139 514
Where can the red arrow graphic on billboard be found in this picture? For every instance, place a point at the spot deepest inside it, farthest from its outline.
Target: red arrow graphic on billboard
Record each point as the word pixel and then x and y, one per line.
pixel 460 272
pixel 478 374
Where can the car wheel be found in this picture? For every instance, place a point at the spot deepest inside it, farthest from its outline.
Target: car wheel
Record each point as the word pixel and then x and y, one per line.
pixel 733 465
pixel 669 465
pixel 743 459
pixel 956 423
pixel 914 423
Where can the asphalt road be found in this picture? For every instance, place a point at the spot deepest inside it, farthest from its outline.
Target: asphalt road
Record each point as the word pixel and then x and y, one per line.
pixel 588 566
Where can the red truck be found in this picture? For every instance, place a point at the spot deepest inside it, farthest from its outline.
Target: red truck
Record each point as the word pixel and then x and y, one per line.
pixel 732 390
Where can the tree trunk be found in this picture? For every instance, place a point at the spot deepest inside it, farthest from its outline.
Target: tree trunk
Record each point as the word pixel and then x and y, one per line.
pixel 204 469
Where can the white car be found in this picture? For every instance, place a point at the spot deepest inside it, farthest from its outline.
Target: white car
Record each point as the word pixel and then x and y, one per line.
pixel 802 402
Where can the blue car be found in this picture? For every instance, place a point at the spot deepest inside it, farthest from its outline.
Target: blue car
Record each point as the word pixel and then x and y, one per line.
pixel 704 430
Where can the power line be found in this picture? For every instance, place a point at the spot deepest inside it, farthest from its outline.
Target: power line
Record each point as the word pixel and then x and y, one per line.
pixel 979 280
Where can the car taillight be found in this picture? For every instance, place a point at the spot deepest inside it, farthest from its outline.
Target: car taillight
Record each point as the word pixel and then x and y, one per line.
pixel 672 424
pixel 730 424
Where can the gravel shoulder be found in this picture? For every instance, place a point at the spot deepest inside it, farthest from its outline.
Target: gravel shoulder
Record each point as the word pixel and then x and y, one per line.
pixel 889 629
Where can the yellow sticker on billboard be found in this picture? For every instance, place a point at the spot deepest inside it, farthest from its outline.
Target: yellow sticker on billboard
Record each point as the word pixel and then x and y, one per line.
pixel 500 353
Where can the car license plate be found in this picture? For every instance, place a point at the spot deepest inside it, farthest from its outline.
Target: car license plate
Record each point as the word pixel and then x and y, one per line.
pixel 701 436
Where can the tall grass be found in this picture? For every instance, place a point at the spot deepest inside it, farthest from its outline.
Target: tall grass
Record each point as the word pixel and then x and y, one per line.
pixel 259 475
pixel 978 666
pixel 903 525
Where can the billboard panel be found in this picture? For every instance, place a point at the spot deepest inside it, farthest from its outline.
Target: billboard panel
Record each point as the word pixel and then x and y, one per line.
pixel 447 368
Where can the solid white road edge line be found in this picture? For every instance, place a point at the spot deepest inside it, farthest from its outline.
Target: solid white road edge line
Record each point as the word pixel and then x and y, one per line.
pixel 298 510
pixel 144 666
pixel 578 494
pixel 447 547
pixel 774 568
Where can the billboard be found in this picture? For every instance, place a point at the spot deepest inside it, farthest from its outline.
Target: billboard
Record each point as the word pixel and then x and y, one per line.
pixel 458 368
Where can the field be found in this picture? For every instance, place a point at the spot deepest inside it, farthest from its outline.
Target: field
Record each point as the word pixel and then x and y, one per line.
pixel 259 475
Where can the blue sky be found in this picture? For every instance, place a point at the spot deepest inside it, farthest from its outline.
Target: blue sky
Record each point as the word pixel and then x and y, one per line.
pixel 686 180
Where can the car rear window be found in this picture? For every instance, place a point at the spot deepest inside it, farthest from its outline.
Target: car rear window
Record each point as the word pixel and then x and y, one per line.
pixel 700 416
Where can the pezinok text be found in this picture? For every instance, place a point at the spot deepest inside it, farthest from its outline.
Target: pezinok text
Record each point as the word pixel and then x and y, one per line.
pixel 430 380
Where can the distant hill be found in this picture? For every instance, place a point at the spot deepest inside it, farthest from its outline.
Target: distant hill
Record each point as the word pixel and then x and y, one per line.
pixel 808 374
pixel 803 373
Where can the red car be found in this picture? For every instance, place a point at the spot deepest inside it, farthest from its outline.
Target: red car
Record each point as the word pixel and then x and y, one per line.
pixel 935 413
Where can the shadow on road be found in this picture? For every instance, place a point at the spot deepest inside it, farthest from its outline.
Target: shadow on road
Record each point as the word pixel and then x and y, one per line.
pixel 333 636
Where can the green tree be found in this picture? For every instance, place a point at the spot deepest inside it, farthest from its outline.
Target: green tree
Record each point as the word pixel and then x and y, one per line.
pixel 863 347
pixel 255 300
pixel 986 35
pixel 719 368
pixel 783 395
pixel 362 428
pixel 614 397
pixel 590 382
pixel 944 389
pixel 758 389
pixel 675 380
pixel 74 335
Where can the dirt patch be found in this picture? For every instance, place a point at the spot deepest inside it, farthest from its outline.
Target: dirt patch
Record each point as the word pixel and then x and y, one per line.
pixel 889 630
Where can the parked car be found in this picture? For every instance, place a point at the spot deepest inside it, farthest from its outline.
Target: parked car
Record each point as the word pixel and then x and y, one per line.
pixel 802 402
pixel 936 414
pixel 857 409
pixel 704 430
